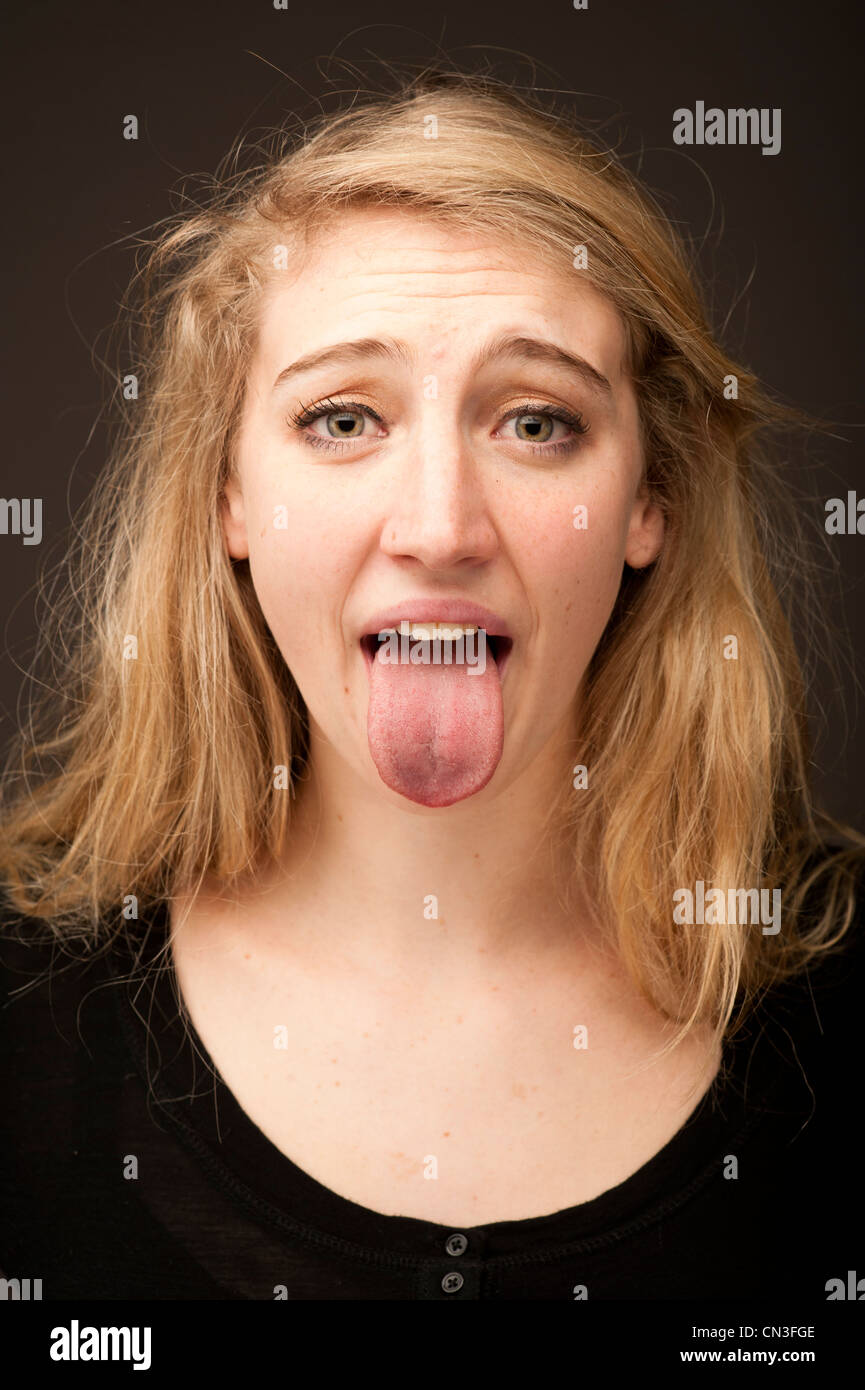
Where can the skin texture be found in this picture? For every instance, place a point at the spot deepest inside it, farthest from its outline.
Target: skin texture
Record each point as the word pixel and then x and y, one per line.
pixel 442 499
pixel 446 1034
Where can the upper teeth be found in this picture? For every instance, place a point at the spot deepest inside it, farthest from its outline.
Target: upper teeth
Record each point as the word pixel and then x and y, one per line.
pixel 433 632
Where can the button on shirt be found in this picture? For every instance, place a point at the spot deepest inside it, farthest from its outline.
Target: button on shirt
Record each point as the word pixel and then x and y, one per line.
pixel 210 1209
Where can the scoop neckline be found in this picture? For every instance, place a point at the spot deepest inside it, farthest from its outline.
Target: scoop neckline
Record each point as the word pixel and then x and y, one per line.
pixel 210 1120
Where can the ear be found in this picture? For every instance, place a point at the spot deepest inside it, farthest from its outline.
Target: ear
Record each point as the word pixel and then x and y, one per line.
pixel 234 520
pixel 645 532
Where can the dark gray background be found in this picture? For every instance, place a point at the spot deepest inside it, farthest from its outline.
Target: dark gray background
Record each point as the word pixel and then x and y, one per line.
pixel 780 236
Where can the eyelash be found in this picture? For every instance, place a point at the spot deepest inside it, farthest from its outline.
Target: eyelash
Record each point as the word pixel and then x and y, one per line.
pixel 309 413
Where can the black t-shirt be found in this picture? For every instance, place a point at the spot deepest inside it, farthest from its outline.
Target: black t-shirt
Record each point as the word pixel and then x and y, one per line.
pixel 129 1171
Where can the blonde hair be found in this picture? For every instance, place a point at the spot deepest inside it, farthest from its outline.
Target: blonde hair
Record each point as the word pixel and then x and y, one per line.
pixel 162 766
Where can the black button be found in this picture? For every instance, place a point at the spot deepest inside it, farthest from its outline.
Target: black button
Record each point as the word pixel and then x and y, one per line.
pixel 456 1245
pixel 453 1282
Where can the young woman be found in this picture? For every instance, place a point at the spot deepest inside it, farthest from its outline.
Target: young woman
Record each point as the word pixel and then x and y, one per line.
pixel 422 896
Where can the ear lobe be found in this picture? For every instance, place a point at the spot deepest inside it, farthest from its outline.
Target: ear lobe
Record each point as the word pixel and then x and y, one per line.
pixel 234 521
pixel 645 534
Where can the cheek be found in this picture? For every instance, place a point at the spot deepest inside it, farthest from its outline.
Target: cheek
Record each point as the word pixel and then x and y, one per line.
pixel 573 550
pixel 303 550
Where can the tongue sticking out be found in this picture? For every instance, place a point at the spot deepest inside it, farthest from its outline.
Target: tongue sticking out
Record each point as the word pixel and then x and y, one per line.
pixel 435 732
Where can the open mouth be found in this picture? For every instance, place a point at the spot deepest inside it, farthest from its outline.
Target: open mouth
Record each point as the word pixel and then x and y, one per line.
pixel 448 642
pixel 435 722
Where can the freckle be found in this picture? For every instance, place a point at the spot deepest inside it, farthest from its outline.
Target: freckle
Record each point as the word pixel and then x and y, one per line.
pixel 338 816
pixel 366 1035
pixel 569 607
pixel 540 1114
pixel 337 1083
pixel 346 689
pixel 477 854
pixel 447 1134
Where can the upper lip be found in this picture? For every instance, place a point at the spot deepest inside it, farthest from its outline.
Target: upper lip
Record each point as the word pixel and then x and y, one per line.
pixel 446 610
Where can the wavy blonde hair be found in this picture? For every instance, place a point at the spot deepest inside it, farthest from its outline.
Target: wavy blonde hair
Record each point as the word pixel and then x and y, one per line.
pixel 155 772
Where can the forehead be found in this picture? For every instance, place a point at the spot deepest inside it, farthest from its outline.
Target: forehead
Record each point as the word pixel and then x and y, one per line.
pixel 437 287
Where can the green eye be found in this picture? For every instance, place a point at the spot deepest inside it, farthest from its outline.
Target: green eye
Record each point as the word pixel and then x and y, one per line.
pixel 538 428
pixel 344 424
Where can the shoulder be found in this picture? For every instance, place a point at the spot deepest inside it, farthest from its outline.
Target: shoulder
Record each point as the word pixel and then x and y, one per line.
pixel 837 963
pixel 814 1013
pixel 56 992
pixel 32 951
pixel 42 987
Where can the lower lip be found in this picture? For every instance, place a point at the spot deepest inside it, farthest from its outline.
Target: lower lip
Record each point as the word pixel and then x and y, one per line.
pixel 502 663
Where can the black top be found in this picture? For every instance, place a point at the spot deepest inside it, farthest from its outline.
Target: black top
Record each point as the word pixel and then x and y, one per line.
pixel 128 1171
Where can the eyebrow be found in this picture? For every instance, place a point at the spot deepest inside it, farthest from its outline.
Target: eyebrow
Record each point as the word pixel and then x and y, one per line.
pixel 527 349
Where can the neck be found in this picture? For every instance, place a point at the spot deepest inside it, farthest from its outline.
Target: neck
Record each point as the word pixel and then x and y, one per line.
pixel 370 879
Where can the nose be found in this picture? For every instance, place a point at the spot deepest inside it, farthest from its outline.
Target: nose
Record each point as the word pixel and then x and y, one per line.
pixel 439 515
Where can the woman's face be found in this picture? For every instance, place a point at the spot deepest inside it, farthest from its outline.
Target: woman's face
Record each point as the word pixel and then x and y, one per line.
pixel 444 456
